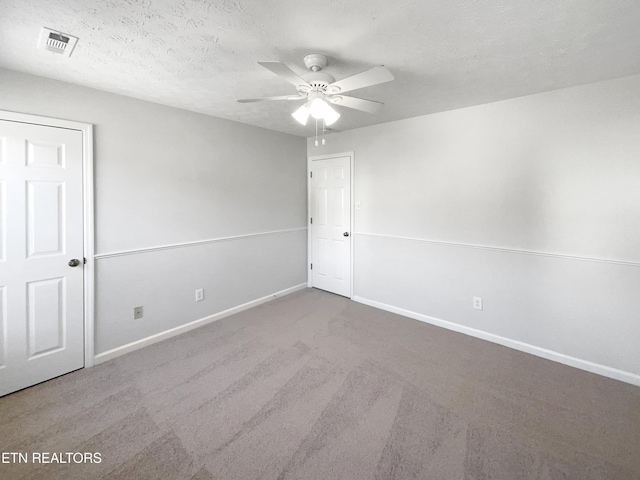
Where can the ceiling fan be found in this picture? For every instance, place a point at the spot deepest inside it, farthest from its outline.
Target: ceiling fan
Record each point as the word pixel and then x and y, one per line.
pixel 319 89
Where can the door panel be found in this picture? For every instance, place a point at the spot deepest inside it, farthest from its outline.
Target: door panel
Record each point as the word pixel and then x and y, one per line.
pixel 331 218
pixel 321 216
pixel 42 330
pixel 45 214
pixel 45 154
pixel 341 250
pixel 324 260
pixel 338 204
pixel 45 309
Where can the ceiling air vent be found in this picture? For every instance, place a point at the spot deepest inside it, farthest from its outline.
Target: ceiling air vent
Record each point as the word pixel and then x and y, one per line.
pixel 56 42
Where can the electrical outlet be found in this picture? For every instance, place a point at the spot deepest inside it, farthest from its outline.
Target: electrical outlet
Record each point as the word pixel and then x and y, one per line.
pixel 477 303
pixel 199 294
pixel 137 312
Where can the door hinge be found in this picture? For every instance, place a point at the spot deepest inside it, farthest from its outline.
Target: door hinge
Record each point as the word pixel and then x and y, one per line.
pixel 312 221
pixel 84 260
pixel 312 266
pixel 311 174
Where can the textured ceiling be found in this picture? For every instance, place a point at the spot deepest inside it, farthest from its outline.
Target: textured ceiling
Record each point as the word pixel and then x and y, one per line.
pixel 201 55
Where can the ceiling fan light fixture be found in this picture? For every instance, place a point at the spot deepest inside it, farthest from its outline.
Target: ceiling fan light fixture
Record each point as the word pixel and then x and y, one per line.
pixel 330 116
pixel 301 115
pixel 318 108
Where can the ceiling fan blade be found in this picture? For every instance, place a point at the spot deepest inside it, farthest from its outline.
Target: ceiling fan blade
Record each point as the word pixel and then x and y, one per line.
pixel 373 76
pixel 264 99
pixel 285 72
pixel 370 106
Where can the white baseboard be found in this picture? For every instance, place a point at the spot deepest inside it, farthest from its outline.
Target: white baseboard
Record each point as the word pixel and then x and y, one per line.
pixel 158 337
pixel 603 370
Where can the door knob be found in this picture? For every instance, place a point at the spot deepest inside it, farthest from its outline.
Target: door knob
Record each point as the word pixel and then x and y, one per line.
pixel 74 262
pixel 346 234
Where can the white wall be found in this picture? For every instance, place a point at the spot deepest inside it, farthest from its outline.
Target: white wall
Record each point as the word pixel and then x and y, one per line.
pixel 532 204
pixel 163 177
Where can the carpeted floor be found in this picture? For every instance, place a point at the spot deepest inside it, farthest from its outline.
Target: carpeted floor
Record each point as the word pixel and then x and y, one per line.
pixel 314 386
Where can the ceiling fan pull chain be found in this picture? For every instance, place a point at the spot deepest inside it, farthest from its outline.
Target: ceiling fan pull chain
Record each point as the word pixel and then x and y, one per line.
pixel 323 129
pixel 316 132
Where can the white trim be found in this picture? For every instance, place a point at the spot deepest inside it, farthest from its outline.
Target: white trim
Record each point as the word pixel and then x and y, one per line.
pixel 194 243
pixel 88 215
pixel 310 159
pixel 159 337
pixel 46 121
pixel 586 365
pixel 89 229
pixel 309 249
pixel 352 203
pixel 504 250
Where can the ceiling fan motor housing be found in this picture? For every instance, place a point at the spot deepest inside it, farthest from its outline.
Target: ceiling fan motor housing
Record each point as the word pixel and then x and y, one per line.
pixel 319 80
pixel 315 61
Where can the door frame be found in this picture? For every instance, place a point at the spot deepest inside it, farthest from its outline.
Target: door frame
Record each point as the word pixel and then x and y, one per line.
pixel 352 175
pixel 87 215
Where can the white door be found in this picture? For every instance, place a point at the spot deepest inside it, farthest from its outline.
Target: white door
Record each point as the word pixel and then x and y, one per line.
pixel 331 225
pixel 41 295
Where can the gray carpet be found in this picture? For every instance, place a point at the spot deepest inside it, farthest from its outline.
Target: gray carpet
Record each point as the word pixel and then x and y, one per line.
pixel 314 386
